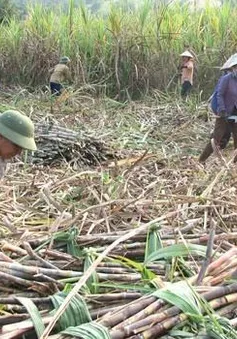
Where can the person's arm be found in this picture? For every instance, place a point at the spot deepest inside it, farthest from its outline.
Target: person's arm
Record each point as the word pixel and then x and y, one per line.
pixel 51 70
pixel 189 65
pixel 67 74
pixel 221 91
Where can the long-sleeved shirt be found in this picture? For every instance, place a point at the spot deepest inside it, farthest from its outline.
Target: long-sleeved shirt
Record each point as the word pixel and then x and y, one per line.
pixel 227 94
pixel 60 74
pixel 187 72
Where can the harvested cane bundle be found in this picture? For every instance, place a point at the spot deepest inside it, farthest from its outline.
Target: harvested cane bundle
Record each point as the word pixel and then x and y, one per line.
pixel 130 314
pixel 56 143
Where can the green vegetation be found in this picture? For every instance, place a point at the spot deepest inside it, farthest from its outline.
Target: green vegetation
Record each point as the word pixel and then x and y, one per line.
pixel 124 54
pixel 7 9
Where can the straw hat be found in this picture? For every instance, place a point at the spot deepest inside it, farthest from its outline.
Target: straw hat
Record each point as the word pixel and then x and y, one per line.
pixel 232 61
pixel 186 54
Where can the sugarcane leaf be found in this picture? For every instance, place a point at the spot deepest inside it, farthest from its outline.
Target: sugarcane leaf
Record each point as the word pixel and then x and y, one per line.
pixel 153 241
pixel 129 263
pixel 182 334
pixel 69 238
pixel 134 287
pixel 181 295
pixel 92 282
pixel 75 314
pixel 91 330
pixel 34 314
pixel 177 250
pixel 147 274
pixel 140 267
pixel 67 288
pixel 219 328
pixel 72 246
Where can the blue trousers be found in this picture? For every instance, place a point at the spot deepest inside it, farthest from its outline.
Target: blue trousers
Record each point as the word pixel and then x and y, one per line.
pixel 55 88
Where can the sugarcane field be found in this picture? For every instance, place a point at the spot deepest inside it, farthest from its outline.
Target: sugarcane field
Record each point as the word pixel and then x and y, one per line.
pixel 118 169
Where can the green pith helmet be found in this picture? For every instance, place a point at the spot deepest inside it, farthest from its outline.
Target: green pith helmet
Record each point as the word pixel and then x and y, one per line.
pixel 64 60
pixel 17 128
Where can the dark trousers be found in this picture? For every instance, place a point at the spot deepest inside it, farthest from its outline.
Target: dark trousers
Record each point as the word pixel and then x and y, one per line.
pixel 55 88
pixel 221 135
pixel 186 88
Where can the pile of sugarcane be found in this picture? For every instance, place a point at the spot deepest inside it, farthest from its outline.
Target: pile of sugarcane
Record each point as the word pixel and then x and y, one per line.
pixel 142 317
pixel 39 274
pixel 56 143
pixel 134 248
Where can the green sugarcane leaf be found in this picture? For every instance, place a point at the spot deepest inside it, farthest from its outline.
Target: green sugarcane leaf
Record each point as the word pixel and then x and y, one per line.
pixel 148 274
pixel 129 263
pixel 181 295
pixel 67 288
pixel 181 334
pixel 76 312
pixel 134 287
pixel 69 238
pixel 153 242
pixel 34 314
pixel 91 330
pixel 92 282
pixel 72 245
pixel 145 272
pixel 219 328
pixel 177 250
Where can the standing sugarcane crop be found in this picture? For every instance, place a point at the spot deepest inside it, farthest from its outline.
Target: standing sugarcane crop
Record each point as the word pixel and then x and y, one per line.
pixel 60 74
pixel 226 110
pixel 16 134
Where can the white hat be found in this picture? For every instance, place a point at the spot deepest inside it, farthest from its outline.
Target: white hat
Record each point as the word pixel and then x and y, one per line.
pixel 186 54
pixel 232 61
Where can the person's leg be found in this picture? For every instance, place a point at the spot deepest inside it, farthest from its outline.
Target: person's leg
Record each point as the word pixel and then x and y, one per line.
pixel 56 92
pixel 55 88
pixel 51 87
pixel 226 138
pixel 234 133
pixel 221 129
pixel 59 89
pixel 185 89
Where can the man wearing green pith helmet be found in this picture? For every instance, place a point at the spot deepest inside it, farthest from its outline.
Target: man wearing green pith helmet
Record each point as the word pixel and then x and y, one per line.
pixel 60 74
pixel 16 134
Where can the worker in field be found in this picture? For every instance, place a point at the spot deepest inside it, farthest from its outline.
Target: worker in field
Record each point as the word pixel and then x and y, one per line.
pixel 224 106
pixel 60 74
pixel 187 67
pixel 214 105
pixel 16 134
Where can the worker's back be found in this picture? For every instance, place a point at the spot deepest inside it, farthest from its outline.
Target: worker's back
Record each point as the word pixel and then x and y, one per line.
pixel 60 74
